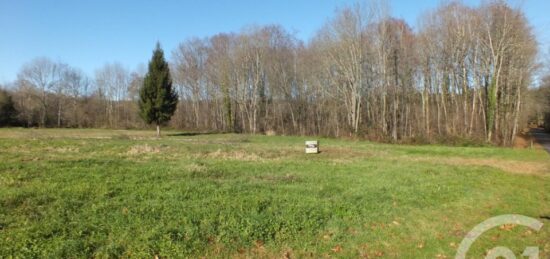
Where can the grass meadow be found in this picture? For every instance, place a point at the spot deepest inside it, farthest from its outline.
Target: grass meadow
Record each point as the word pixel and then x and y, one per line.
pixel 107 194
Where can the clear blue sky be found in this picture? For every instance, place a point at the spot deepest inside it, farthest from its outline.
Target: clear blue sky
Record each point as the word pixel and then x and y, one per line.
pixel 89 33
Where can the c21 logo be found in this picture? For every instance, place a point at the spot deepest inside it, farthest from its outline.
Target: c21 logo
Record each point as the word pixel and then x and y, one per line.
pixel 500 252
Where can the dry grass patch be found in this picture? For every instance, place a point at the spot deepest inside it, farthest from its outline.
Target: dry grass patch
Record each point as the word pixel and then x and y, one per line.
pixel 35 134
pixel 510 166
pixel 271 133
pixel 143 149
pixel 523 141
pixel 519 167
pixel 62 150
pixel 234 155
pixel 196 168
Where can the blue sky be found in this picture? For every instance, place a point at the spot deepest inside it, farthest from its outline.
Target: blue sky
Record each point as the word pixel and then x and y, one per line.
pixel 90 33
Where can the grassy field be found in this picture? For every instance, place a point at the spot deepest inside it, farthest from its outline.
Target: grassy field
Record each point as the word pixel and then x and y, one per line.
pixel 104 193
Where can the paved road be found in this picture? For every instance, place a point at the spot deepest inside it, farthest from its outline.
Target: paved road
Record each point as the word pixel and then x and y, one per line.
pixel 542 138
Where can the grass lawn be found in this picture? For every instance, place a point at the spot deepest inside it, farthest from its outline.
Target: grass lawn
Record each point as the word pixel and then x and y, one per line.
pixel 104 193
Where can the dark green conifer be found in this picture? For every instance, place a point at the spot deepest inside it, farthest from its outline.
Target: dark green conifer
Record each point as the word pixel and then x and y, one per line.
pixel 157 99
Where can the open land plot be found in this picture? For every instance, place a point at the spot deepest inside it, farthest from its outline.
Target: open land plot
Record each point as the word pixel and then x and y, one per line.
pixel 107 193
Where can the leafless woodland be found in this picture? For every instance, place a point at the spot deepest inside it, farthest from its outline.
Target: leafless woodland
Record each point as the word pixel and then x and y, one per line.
pixel 465 72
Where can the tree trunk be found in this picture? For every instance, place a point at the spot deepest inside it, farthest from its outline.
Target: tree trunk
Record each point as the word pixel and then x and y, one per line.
pixel 491 108
pixel 59 115
pixel 516 117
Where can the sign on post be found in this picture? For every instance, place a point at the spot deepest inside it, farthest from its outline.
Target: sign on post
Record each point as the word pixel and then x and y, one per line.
pixel 312 147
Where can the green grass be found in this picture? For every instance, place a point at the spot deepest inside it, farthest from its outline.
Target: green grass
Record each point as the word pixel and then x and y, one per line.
pixel 103 193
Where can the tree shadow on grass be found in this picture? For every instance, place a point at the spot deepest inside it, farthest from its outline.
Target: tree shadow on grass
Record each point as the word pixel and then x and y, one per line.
pixel 191 134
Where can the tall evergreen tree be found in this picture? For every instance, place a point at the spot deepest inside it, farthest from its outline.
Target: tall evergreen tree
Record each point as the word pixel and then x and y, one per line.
pixel 158 100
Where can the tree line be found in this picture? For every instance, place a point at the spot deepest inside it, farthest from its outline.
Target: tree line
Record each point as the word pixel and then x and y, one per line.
pixel 539 107
pixel 464 73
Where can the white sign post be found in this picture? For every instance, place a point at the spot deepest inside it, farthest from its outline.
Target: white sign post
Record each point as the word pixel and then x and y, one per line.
pixel 312 147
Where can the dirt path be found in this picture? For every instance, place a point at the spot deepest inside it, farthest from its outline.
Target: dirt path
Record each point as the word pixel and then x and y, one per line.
pixel 542 138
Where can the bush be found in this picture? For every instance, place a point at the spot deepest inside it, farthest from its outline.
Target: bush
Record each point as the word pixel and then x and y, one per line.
pixel 8 113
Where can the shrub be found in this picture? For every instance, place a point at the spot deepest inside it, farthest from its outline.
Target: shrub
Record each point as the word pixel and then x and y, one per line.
pixel 8 113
